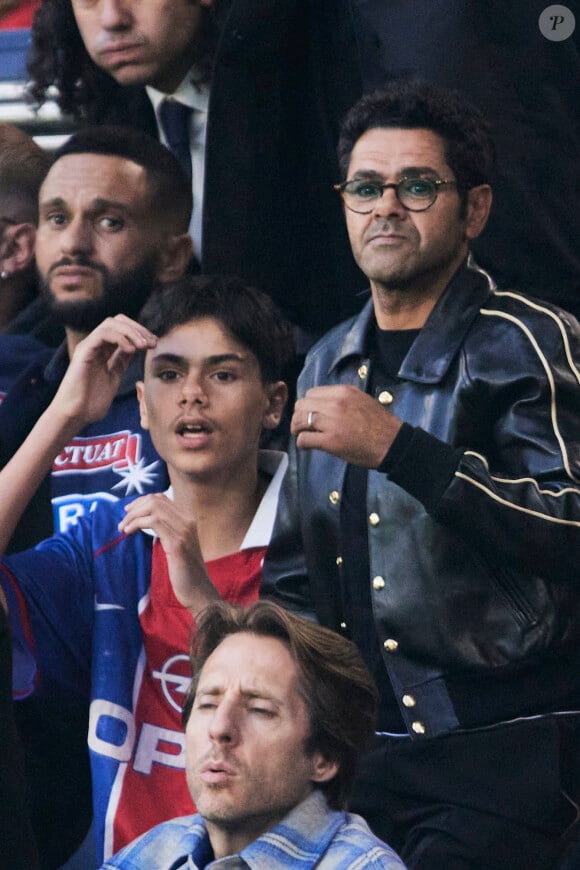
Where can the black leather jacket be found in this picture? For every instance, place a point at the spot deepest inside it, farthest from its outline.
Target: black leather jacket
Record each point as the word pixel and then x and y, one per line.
pixel 474 587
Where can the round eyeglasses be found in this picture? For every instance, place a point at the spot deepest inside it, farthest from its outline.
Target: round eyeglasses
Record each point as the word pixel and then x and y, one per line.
pixel 414 194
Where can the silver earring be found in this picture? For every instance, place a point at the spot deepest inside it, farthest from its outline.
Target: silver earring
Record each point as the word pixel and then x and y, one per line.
pixel 4 274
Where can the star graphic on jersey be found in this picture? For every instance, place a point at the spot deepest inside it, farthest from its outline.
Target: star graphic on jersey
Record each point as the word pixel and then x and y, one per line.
pixel 136 475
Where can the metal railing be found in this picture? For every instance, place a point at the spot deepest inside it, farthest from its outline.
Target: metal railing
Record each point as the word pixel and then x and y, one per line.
pixel 47 125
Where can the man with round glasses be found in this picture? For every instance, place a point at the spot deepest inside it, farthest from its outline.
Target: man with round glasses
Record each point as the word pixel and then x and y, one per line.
pixel 431 511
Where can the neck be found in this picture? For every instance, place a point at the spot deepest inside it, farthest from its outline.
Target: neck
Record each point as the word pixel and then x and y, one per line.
pixel 223 509
pixel 231 840
pixel 73 337
pixel 225 843
pixel 171 79
pixel 409 306
pixel 394 310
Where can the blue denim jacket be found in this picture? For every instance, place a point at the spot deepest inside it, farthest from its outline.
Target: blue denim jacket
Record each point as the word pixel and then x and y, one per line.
pixel 312 835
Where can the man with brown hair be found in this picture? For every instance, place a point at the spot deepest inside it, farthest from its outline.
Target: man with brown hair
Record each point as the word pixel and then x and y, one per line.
pixel 23 166
pixel 276 714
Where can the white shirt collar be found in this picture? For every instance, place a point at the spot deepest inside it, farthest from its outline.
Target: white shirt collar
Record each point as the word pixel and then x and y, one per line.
pixel 188 92
pixel 273 462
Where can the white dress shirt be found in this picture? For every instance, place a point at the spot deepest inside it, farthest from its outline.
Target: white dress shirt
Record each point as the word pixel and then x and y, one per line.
pixel 197 96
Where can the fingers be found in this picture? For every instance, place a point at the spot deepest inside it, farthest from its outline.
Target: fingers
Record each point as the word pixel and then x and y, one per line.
pixel 319 407
pixel 126 335
pixel 305 419
pixel 148 512
pixel 158 513
pixel 346 422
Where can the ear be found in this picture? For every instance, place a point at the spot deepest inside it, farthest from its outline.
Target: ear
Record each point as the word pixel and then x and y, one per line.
pixel 478 207
pixel 277 393
pixel 17 247
pixel 323 769
pixel 174 258
pixel 140 387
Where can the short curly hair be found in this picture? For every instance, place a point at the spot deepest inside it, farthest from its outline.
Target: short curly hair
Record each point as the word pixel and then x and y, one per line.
pixel 469 146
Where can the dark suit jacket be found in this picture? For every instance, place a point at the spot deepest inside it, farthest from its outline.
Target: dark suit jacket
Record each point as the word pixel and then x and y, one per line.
pixel 285 73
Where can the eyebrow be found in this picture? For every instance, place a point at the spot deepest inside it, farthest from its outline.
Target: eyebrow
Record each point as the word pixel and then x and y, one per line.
pixel 97 204
pixel 247 694
pixel 404 172
pixel 216 359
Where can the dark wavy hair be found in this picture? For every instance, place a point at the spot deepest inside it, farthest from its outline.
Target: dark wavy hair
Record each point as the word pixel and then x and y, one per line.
pixel 57 57
pixel 248 314
pixel 469 147
pixel 335 684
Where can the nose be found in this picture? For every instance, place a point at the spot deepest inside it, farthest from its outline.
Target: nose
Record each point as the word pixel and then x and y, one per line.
pixel 193 391
pixel 388 205
pixel 224 724
pixel 76 238
pixel 115 14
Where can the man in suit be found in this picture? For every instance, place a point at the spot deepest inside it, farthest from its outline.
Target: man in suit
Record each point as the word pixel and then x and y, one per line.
pixel 261 151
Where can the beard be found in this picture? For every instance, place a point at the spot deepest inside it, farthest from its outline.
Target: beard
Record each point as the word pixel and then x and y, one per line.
pixel 123 293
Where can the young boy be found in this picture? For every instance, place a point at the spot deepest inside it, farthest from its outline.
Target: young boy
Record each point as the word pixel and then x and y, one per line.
pixel 105 610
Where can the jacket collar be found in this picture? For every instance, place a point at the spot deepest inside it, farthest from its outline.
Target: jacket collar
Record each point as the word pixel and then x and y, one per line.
pixel 298 841
pixel 440 338
pixel 272 463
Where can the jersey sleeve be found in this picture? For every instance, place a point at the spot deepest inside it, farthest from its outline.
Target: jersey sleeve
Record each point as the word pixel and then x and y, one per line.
pixel 50 596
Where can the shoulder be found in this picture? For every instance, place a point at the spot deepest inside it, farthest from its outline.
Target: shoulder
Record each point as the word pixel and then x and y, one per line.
pixel 90 537
pixel 529 315
pixel 346 339
pixel 353 329
pixel 332 340
pixel 102 526
pixel 161 846
pixel 96 533
pixel 355 840
pixel 130 107
pixel 524 333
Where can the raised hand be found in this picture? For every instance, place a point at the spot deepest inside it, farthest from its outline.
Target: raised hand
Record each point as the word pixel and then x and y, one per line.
pixel 97 366
pixel 88 388
pixel 346 422
pixel 189 578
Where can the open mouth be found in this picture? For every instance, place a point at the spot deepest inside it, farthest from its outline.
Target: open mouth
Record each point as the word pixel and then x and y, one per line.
pixel 193 433
pixel 217 773
pixel 192 428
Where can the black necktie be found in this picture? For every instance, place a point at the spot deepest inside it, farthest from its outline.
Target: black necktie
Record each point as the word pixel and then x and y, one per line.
pixel 174 119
